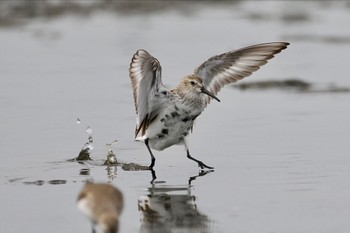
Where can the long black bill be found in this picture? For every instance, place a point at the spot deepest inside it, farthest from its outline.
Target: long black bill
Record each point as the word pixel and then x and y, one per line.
pixel 205 91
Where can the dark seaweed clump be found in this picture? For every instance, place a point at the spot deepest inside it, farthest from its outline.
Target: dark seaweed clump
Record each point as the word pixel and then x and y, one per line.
pixel 291 85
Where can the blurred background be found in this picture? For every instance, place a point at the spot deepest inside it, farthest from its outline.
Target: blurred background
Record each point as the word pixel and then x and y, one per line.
pixel 279 140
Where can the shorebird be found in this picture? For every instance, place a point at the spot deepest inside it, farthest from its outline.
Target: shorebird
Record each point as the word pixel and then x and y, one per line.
pixel 102 203
pixel 165 117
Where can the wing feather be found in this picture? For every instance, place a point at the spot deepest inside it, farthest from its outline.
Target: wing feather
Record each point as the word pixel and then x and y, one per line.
pixel 227 68
pixel 148 90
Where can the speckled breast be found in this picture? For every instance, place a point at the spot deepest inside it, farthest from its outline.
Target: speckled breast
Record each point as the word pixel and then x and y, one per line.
pixel 171 126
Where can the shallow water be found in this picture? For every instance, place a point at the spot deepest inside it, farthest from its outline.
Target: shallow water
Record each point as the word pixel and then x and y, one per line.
pixel 281 158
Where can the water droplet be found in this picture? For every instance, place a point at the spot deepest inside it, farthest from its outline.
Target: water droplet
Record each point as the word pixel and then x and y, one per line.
pixel 115 141
pixel 89 130
pixel 78 121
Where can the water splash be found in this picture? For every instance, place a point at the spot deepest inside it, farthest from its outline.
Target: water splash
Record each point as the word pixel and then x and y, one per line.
pixel 85 153
pixel 89 144
pixel 111 157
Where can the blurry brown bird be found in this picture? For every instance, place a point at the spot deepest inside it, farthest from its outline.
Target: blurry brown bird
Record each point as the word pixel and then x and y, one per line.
pixel 103 204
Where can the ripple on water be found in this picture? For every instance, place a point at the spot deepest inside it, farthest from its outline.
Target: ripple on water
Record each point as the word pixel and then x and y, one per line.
pixel 302 173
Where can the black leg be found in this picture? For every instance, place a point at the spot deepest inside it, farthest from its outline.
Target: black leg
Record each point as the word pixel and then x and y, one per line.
pixel 200 163
pixel 93 228
pixel 154 177
pixel 152 156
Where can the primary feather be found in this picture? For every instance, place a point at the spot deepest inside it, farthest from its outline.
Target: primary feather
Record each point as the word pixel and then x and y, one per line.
pixel 148 90
pixel 228 68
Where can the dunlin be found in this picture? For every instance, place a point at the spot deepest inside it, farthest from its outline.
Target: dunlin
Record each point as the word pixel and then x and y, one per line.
pixel 165 117
pixel 102 203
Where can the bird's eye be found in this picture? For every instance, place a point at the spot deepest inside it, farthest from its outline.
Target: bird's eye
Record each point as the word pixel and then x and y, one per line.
pixel 193 83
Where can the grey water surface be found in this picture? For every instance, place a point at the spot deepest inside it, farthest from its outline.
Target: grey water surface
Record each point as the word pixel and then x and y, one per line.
pixel 281 155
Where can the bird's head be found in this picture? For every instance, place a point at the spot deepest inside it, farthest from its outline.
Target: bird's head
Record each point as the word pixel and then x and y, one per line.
pixel 194 84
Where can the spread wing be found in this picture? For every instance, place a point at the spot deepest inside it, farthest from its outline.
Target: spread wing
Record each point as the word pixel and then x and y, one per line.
pixel 230 67
pixel 149 92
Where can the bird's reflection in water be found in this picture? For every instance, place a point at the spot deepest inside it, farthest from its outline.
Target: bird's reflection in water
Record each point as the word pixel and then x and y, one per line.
pixel 111 173
pixel 167 208
pixel 84 172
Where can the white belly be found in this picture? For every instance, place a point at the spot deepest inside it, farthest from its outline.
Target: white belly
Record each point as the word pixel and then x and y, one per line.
pixel 170 128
